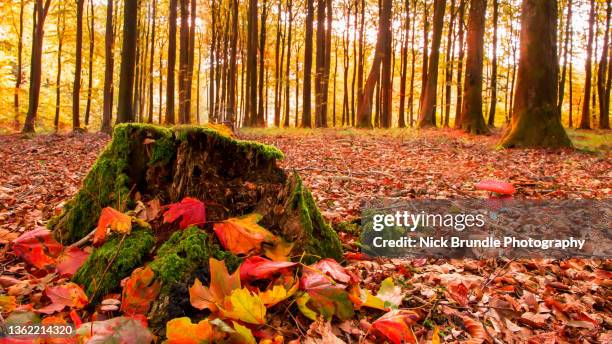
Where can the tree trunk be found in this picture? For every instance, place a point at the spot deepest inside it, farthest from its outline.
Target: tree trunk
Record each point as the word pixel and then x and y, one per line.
pixel 19 76
pixel 251 85
pixel 91 28
pixel 153 27
pixel 585 120
pixel 231 105
pixel 472 119
pixel 125 110
pixel 448 71
pixel 306 115
pixel 461 35
pixel 39 16
pixel 60 28
pixel 412 70
pixel 288 71
pixel 364 105
pixel 320 63
pixel 172 16
pixel 109 64
pixel 259 120
pixel 604 103
pixel 386 85
pixel 493 105
pixel 183 60
pixel 427 113
pixel 76 88
pixel 535 118
pixel 401 122
pixel 568 37
pixel 190 62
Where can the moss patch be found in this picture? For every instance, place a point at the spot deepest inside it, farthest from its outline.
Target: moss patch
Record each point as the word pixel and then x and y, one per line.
pixel 110 263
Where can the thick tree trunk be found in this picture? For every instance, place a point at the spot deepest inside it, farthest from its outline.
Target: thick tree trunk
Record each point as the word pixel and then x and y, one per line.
pixel 535 118
pixel 172 15
pixel 151 63
pixel 40 14
pixel 306 86
pixel 472 119
pixel 493 104
pixel 566 41
pixel 76 86
pixel 461 34
pixel 427 113
pixel 386 85
pixel 288 70
pixel 251 85
pixel 604 103
pixel 232 94
pixel 585 118
pixel 125 110
pixel 259 119
pixel 183 60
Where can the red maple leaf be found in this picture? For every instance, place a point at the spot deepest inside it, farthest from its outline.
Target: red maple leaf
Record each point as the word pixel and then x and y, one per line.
pixel 190 210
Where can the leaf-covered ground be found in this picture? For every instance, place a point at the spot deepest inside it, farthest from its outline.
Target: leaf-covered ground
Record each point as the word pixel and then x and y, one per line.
pixel 491 301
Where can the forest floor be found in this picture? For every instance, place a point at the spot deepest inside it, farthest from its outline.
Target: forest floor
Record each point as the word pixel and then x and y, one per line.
pixel 344 168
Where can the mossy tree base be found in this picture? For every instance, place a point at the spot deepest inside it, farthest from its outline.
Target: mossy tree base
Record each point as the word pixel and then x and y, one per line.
pixel 232 177
pixel 536 128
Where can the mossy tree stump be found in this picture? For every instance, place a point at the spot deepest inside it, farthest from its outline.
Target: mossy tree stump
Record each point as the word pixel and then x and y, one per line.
pixel 232 177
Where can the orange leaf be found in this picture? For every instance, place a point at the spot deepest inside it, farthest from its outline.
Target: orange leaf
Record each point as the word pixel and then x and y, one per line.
pixel 190 210
pixel 68 294
pixel 70 260
pixel 221 285
pixel 458 292
pixel 37 248
pixel 257 267
pixel 396 325
pixel 113 219
pixel 183 331
pixel 241 235
pixel 139 291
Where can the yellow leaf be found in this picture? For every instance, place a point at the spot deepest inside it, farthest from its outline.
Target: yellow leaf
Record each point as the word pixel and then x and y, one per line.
pixel 246 336
pixel 371 301
pixel 221 285
pixel 280 251
pixel 222 129
pixel 244 306
pixel 183 331
pixel 241 235
pixel 435 339
pixel 301 302
pixel 7 304
pixel 277 294
pixel 113 220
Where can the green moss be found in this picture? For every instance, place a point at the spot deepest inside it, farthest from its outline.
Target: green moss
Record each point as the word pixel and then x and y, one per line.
pixel 164 147
pixel 185 251
pixel 348 227
pixel 103 271
pixel 321 239
pixel 266 151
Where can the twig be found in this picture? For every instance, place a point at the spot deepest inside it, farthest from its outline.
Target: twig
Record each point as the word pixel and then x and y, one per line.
pixel 84 239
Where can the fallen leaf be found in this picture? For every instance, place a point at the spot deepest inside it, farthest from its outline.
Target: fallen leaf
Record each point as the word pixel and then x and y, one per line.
pixel 7 236
pixel 183 331
pixel 332 268
pixel 396 326
pixel 244 306
pixel 113 220
pixel 70 260
pixel 256 267
pixel 139 291
pixel 7 303
pixel 279 251
pixel 191 211
pixel 245 334
pixel 534 320
pixel 37 248
pixel 277 294
pixel 221 285
pixel 120 330
pixel 458 292
pixel 68 294
pixel 241 235
pixel 435 337
pixel 390 293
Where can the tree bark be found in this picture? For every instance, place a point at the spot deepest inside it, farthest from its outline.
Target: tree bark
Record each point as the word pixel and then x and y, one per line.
pixel 125 110
pixel 401 121
pixel 288 71
pixel 306 96
pixel 170 79
pixel 412 70
pixel 153 27
pixel 427 113
pixel 19 76
pixel 251 85
pixel 448 70
pixel 535 118
pixel 386 85
pixel 568 37
pixel 92 34
pixel 183 60
pixel 231 105
pixel 60 28
pixel 259 120
pixel 493 104
pixel 40 13
pixel 76 88
pixel 109 64
pixel 585 120
pixel 461 55
pixel 604 102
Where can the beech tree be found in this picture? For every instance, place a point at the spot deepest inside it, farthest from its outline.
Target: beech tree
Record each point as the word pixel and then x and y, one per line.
pixel 125 109
pixel 585 116
pixel 535 117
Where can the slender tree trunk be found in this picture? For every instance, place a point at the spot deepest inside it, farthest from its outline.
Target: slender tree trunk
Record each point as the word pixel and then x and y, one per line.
pixel 361 58
pixel 401 122
pixel 91 30
pixel 327 66
pixel 412 70
pixel 565 50
pixel 153 19
pixel 425 63
pixel 213 66
pixel 277 72
pixel 259 120
pixel 472 119
pixel 231 105
pixel 604 106
pixel 571 87
pixel 40 13
pixel 19 76
pixel 386 85
pixel 535 120
pixel 171 64
pixel 288 71
pixel 183 59
pixel 461 35
pixel 297 86
pixel 427 113
pixel 364 106
pixel 161 81
pixel 586 111
pixel 109 64
pixel 190 61
pixel 251 85
pixel 320 62
pixel 306 115
pixel 76 88
pixel 125 110
pixel 448 71
pixel 493 104
pixel 61 26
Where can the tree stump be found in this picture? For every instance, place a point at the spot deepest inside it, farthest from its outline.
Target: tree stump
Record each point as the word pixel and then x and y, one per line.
pixel 233 177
